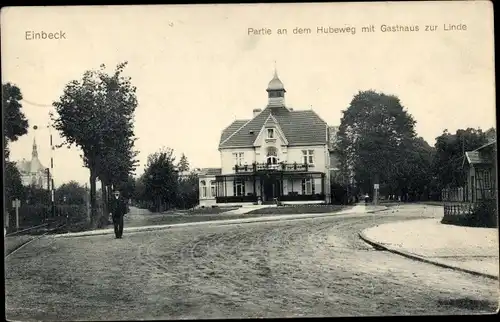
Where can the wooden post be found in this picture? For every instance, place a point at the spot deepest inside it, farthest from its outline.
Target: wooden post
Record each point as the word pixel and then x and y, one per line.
pixel 375 189
pixel 16 204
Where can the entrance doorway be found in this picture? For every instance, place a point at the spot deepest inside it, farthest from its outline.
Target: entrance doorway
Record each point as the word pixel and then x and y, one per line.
pixel 272 189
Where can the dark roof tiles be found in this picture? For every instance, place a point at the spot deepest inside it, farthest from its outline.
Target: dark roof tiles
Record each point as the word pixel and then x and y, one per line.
pixel 299 127
pixel 231 129
pixel 210 171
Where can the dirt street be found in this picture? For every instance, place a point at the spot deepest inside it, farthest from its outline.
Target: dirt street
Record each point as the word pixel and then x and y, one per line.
pixel 312 267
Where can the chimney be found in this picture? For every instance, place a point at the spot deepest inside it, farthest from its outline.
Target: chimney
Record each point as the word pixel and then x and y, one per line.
pixel 256 111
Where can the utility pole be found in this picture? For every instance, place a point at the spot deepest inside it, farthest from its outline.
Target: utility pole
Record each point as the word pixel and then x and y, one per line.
pixel 375 189
pixel 49 126
pixel 47 172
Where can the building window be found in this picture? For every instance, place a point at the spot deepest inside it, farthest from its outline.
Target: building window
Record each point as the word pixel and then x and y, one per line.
pixel 203 189
pixel 213 189
pixel 487 179
pixel 270 133
pixel 308 187
pixel 238 158
pixel 238 187
pixel 308 156
pixel 272 155
pixel 277 94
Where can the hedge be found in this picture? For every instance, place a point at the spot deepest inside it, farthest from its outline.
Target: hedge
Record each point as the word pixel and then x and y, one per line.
pixel 34 215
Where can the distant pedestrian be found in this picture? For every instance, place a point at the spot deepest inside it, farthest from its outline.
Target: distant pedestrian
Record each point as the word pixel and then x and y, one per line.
pixel 367 197
pixel 117 209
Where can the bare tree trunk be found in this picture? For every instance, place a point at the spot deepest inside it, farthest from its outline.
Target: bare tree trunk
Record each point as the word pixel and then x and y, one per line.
pixel 104 197
pixel 93 209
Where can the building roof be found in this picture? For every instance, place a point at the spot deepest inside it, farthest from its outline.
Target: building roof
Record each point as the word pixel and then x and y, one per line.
pixel 210 171
pixel 299 127
pixel 275 83
pixel 486 145
pixel 479 157
pixel 231 129
pixel 473 157
pixel 24 166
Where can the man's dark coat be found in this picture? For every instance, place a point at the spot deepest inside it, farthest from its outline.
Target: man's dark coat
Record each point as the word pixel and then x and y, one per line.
pixel 117 207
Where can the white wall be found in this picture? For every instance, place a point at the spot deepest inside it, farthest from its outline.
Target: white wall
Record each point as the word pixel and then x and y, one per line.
pixel 284 154
pixel 262 143
pixel 321 156
pixel 230 188
pixel 207 180
pixel 228 162
pixel 297 185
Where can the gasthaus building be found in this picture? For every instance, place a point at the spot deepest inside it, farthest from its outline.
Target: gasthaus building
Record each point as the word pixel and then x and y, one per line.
pixel 278 154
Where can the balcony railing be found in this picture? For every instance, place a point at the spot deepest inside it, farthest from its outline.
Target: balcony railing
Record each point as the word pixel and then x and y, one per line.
pixel 255 167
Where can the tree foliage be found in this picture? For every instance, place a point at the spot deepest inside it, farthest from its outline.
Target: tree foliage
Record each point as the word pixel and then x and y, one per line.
pixel 160 187
pixel 96 115
pixel 127 187
pixel 15 123
pixel 377 143
pixel 188 191
pixel 36 196
pixel 183 165
pixel 160 178
pixel 71 193
pixel 449 157
pixel 13 184
pixel 375 130
pixel 491 134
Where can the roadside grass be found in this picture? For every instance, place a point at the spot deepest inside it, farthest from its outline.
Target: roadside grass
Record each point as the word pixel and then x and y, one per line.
pixel 390 203
pixel 298 209
pixel 206 211
pixel 13 242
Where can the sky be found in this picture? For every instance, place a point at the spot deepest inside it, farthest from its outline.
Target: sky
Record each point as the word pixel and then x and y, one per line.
pixel 197 69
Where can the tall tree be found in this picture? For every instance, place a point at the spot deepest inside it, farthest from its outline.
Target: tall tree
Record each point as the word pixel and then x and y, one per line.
pixel 161 179
pixel 491 134
pixel 183 165
pixel 117 152
pixel 127 187
pixel 413 175
pixel 188 191
pixel 71 193
pixel 450 153
pixel 96 115
pixel 15 123
pixel 374 134
pixel 13 184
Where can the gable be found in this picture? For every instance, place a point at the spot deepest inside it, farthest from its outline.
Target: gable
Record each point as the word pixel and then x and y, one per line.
pixel 298 127
pixel 271 122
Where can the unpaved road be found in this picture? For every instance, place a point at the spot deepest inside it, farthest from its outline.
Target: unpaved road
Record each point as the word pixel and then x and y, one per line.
pixel 313 267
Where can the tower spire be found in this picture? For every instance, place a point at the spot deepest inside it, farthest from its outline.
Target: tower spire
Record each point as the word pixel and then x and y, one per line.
pixel 275 70
pixel 34 152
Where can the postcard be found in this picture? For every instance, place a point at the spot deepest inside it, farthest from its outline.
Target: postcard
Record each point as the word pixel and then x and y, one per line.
pixel 249 160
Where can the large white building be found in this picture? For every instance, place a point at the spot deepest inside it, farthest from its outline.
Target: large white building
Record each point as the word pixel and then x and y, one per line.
pixel 33 173
pixel 279 153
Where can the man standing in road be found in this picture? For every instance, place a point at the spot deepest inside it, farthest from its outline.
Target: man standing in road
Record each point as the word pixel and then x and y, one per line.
pixel 118 209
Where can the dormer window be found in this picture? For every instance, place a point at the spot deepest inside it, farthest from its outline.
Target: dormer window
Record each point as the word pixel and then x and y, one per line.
pixel 270 133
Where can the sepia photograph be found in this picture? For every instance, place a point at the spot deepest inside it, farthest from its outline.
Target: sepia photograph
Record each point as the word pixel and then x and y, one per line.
pixel 270 160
